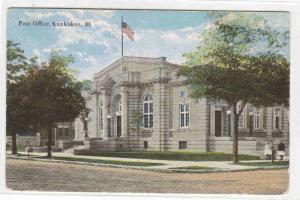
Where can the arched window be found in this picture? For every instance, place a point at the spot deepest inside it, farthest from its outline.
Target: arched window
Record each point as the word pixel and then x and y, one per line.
pixel 148 111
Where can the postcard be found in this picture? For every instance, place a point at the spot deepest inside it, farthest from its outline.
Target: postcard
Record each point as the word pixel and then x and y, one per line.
pixel 145 101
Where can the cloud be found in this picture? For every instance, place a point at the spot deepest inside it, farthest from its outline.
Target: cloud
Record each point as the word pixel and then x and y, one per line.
pixel 102 13
pixel 36 53
pixel 91 60
pixel 157 43
pixel 101 32
pixel 171 37
pixel 192 34
pixel 48 50
pixel 38 15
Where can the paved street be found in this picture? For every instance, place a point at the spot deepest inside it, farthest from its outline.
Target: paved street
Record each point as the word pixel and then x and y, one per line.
pixel 45 176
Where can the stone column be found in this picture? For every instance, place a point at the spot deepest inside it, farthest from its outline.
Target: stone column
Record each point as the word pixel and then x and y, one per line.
pixel 124 113
pixel 104 113
pixel 160 116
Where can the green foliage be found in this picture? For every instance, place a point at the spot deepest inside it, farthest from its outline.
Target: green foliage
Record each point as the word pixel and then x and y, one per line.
pixel 263 164
pixel 86 85
pixel 17 66
pixel 17 63
pixel 239 60
pixel 136 120
pixel 262 81
pixel 195 167
pixel 229 36
pixel 52 93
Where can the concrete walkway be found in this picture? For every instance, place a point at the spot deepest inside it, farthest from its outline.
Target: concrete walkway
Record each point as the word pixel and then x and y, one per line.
pixel 168 164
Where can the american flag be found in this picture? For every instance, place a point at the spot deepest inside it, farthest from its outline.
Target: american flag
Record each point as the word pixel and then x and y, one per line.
pixel 127 30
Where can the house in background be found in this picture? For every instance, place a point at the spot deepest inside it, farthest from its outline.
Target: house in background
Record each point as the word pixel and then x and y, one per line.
pixel 62 136
pixel 170 119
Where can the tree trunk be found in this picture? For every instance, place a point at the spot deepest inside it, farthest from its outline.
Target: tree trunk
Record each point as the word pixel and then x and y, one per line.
pixel 49 143
pixel 14 150
pixel 235 139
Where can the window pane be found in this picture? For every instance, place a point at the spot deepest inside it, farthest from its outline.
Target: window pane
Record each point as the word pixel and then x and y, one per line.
pixel 181 108
pixel 146 98
pixel 182 120
pixel 145 108
pixel 187 119
pixel 151 120
pixel 146 121
pixel 277 123
pixel 187 108
pixel 151 107
pixel 256 122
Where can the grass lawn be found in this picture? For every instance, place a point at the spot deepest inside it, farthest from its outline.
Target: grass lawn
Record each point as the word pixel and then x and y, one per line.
pixel 262 164
pixel 142 164
pixel 193 167
pixel 174 155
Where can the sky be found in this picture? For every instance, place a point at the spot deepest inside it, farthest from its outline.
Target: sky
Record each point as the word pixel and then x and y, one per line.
pixel 157 33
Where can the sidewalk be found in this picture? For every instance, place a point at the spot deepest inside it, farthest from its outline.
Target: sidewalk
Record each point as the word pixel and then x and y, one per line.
pixel 168 165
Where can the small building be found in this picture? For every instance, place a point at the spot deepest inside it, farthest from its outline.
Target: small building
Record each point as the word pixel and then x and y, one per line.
pixel 62 136
pixel 148 89
pixel 63 132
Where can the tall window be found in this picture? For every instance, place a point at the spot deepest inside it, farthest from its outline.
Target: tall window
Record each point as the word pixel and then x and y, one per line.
pixel 256 118
pixel 148 111
pixel 184 115
pixel 241 119
pixel 276 119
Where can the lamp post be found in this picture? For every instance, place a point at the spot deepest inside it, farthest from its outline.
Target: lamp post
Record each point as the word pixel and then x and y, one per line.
pixel 251 122
pixel 228 112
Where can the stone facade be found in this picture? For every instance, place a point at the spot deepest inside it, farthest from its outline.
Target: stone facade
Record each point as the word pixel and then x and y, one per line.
pixel 135 88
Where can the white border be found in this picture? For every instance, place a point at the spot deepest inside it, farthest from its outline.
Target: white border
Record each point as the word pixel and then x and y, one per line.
pixel 291 6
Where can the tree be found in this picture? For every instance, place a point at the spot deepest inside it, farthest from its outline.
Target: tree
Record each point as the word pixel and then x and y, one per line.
pixel 239 61
pixel 17 65
pixel 136 121
pixel 52 94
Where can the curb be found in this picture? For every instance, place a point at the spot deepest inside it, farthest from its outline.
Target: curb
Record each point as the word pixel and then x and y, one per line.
pixel 149 169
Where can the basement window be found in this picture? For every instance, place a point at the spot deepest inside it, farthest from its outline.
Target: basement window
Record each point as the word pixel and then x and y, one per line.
pixel 182 144
pixel 145 144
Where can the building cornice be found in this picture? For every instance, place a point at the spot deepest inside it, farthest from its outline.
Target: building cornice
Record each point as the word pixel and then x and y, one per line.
pixel 139 60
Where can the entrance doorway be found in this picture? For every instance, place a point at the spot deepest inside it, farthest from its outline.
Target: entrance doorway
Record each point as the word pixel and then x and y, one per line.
pixel 218 123
pixel 119 126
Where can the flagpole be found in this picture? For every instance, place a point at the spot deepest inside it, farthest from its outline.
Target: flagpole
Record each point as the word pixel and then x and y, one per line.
pixel 122 42
pixel 122 35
